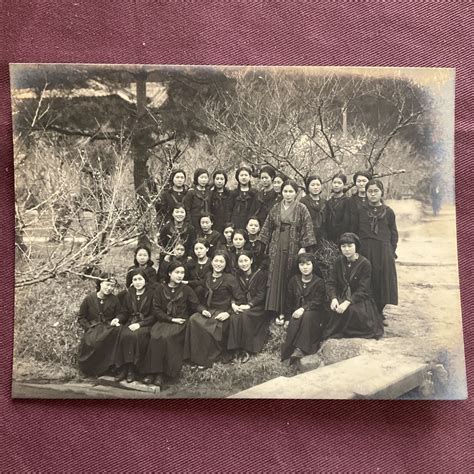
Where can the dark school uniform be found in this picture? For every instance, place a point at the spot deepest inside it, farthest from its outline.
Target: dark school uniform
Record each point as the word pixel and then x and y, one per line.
pixel 233 259
pixel 260 259
pixel 170 234
pixel 221 208
pixel 377 230
pixel 316 208
pixel 214 238
pixel 245 206
pixel 336 217
pixel 197 202
pixel 197 276
pixel 206 338
pixel 356 203
pixel 249 329
pixel 163 270
pixel 168 199
pixel 166 346
pixel 148 269
pixel 352 281
pixel 306 332
pixel 265 201
pixel 99 342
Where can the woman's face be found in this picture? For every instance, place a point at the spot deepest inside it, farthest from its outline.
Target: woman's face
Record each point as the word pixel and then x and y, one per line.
pixel 218 263
pixel 177 275
pixel 348 250
pixel 244 262
pixel 200 250
pixel 206 224
pixel 244 177
pixel 238 241
pixel 374 194
pixel 361 181
pixel 314 187
pixel 306 268
pixel 219 181
pixel 142 257
pixel 179 250
pixel 265 180
pixel 178 180
pixel 288 193
pixel 253 227
pixel 337 185
pixel 106 287
pixel 277 182
pixel 228 231
pixel 138 282
pixel 203 179
pixel 179 214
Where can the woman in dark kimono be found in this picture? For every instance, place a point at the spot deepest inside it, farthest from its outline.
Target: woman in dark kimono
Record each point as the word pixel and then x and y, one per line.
pixel 359 198
pixel 305 309
pixel 245 198
pixel 288 230
pixel 377 229
pixel 101 316
pixel 177 230
pixel 142 259
pixel 198 199
pixel 249 321
pixel 174 304
pixel 199 268
pixel 353 310
pixel 206 333
pixel 337 217
pixel 221 200
pixel 172 195
pixel 316 206
pixel 140 315
pixel 267 196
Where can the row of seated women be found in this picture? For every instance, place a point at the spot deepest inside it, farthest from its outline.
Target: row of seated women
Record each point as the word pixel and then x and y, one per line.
pixel 154 328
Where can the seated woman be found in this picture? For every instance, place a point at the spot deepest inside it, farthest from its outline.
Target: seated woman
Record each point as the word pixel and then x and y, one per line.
pixel 100 315
pixel 206 333
pixel 353 310
pixel 306 309
pixel 174 304
pixel 249 321
pixel 140 315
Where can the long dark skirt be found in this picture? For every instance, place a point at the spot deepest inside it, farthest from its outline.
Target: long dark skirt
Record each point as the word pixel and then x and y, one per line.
pixel 278 281
pixel 359 320
pixel 165 349
pixel 98 349
pixel 305 333
pixel 249 330
pixel 206 338
pixel 384 272
pixel 132 346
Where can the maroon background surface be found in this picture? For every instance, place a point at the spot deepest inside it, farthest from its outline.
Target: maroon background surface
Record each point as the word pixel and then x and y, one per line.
pixel 224 434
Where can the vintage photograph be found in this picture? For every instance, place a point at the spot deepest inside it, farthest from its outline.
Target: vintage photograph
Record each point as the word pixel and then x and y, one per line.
pixel 235 232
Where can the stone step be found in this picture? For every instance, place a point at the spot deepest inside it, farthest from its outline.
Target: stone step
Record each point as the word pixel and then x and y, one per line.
pixel 368 376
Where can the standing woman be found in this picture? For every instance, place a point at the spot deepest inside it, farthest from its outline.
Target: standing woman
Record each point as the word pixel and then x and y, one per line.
pixel 277 184
pixel 359 198
pixel 101 316
pixel 337 216
pixel 288 230
pixel 174 304
pixel 198 199
pixel 221 200
pixel 240 239
pixel 249 321
pixel 177 230
pixel 245 198
pixel 305 310
pixel 377 229
pixel 206 333
pixel 315 204
pixel 142 259
pixel 140 316
pixel 267 196
pixel 174 194
pixel 353 310
pixel 199 268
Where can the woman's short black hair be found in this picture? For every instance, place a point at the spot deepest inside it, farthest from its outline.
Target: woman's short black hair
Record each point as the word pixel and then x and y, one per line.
pixel 141 272
pixel 341 176
pixel 366 174
pixel 292 183
pixel 202 241
pixel 309 257
pixel 243 168
pixel 375 182
pixel 308 180
pixel 104 276
pixel 350 238
pixel 198 173
pixel 223 253
pixel 269 170
pixel 243 233
pixel 174 173
pixel 222 172
pixel 172 267
pixel 148 251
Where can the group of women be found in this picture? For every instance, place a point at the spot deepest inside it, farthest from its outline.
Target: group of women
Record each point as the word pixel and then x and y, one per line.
pixel 230 262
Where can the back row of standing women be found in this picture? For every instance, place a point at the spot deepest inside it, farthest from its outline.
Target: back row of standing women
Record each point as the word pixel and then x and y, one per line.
pixel 201 310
